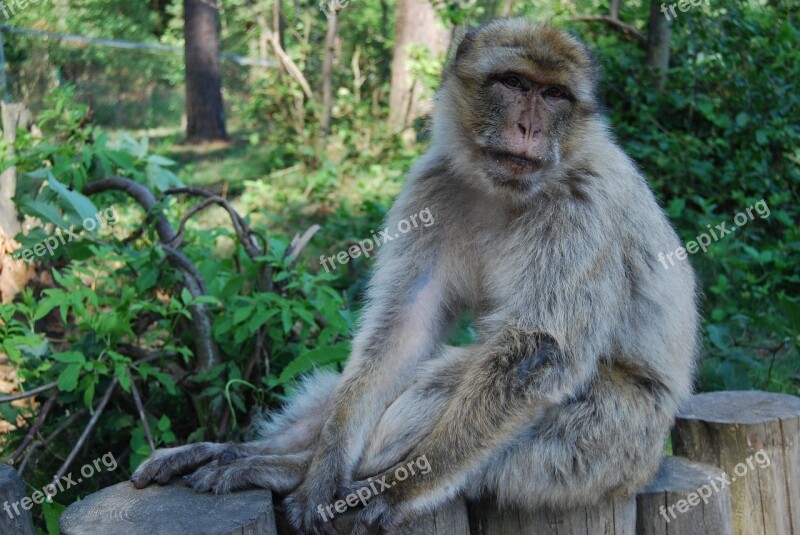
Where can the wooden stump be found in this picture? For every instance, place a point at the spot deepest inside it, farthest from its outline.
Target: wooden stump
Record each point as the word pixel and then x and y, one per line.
pixel 169 510
pixel 682 500
pixel 12 491
pixel 754 437
pixel 450 519
pixel 616 516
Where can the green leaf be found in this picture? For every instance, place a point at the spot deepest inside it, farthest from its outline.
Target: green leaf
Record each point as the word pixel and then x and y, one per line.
pixel 46 211
pixel 68 379
pixel 70 357
pixel 80 204
pixel 52 513
pixel 186 296
pixel 121 373
pixel 164 424
pixel 742 118
pixel 316 357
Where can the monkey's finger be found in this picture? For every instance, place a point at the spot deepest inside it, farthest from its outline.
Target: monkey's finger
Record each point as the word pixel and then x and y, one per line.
pixel 143 475
pixel 328 529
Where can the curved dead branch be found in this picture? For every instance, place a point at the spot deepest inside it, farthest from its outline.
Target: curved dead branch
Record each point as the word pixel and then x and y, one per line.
pixel 206 350
pixel 622 27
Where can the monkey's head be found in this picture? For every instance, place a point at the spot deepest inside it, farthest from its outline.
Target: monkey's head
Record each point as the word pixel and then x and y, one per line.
pixel 513 102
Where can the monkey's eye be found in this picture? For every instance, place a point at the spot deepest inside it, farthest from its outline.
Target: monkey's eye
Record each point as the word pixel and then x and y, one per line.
pixel 512 81
pixel 555 92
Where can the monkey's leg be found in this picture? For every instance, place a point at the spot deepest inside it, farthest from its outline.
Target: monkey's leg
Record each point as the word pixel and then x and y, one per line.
pixel 473 411
pixel 279 473
pixel 293 430
pixel 404 323
pixel 606 441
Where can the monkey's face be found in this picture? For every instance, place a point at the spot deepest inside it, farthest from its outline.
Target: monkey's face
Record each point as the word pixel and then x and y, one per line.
pixel 518 91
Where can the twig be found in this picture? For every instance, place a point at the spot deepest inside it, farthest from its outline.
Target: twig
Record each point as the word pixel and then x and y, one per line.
pixel 142 416
pixel 299 243
pixel 49 439
pixel 239 224
pixel 255 244
pixel 626 29
pixel 289 65
pixel 92 422
pixel 34 429
pixel 29 393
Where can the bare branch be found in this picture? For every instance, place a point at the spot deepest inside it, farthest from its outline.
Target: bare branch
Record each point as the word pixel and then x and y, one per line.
pixel 29 393
pixel 142 415
pixel 624 28
pixel 92 422
pixel 34 429
pixel 300 242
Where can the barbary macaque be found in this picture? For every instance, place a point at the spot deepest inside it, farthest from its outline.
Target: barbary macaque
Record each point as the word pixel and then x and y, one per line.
pixel 548 236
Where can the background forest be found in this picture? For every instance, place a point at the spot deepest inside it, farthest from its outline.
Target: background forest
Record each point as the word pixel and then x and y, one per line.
pixel 223 146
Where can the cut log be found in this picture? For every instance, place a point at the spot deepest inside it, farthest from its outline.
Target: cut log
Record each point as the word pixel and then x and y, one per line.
pixel 450 519
pixel 13 517
pixel 683 500
pixel 754 437
pixel 168 510
pixel 616 516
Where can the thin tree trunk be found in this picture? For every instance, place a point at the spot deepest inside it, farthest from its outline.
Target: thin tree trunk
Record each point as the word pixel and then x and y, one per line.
pixel 327 73
pixel 613 11
pixel 416 23
pixel 277 21
pixel 658 34
pixel 205 112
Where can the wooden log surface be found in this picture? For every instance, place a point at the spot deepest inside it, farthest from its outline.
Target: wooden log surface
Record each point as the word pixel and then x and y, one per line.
pixel 682 500
pixel 12 491
pixel 169 510
pixel 450 519
pixel 616 516
pixel 754 437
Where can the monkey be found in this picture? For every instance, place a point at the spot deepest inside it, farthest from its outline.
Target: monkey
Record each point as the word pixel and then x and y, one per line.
pixel 547 234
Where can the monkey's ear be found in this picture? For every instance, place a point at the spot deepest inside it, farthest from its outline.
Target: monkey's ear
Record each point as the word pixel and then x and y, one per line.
pixel 463 44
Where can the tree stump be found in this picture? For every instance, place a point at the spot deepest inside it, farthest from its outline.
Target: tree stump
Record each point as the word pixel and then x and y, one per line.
pixel 615 516
pixel 168 510
pixel 754 437
pixel 682 500
pixel 449 519
pixel 12 491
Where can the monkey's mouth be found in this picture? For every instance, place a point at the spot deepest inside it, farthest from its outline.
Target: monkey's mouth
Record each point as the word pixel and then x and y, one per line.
pixel 515 160
pixel 511 170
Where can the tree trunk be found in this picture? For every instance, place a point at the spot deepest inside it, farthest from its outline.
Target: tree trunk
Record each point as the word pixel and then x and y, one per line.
pixel 277 22
pixel 13 273
pixel 327 73
pixel 658 44
pixel 204 109
pixel 417 22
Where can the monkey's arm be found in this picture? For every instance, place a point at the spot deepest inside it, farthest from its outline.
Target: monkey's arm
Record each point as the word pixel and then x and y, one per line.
pixel 504 384
pixel 407 312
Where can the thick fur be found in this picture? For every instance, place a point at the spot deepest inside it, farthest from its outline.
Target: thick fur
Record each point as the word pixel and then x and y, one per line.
pixel 586 345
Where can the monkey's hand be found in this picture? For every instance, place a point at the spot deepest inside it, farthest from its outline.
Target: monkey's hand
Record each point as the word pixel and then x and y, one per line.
pixel 381 512
pixel 165 463
pixel 305 507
